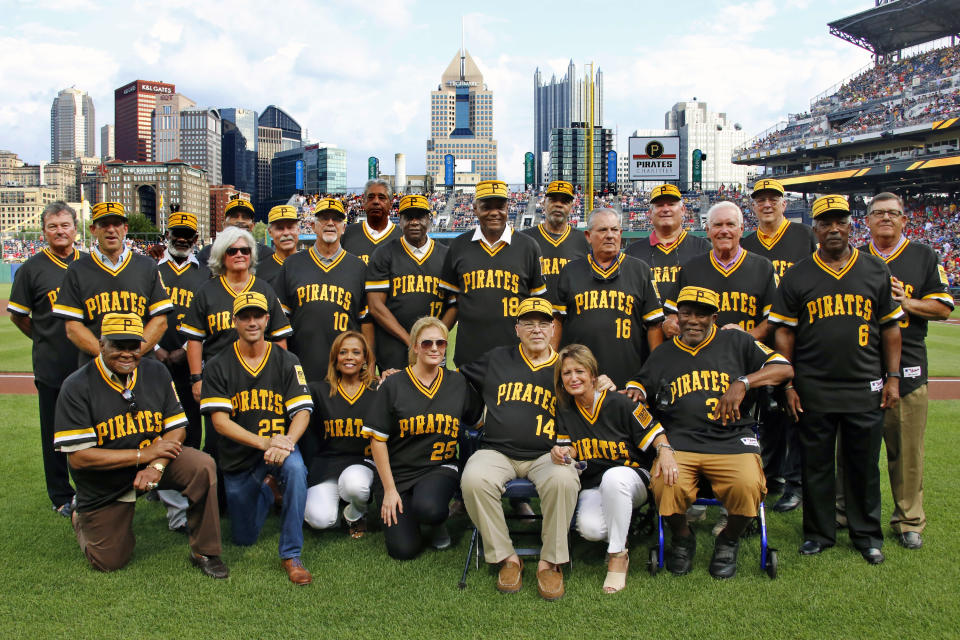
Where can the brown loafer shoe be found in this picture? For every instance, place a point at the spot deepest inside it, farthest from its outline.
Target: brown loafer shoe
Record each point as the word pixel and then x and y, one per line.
pixel 211 566
pixel 510 578
pixel 297 573
pixel 274 487
pixel 550 584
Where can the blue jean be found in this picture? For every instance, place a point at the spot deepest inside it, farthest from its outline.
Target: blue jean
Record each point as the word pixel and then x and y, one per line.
pixel 249 502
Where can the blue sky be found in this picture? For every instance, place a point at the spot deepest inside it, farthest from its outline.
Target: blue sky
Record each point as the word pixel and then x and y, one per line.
pixel 360 74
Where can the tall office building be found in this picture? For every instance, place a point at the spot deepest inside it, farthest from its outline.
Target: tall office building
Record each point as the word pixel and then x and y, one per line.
pixel 165 128
pixel 269 144
pixel 107 150
pixel 239 128
pixel 72 126
pixel 568 158
pixel 461 124
pixel 324 171
pixel 200 141
pixel 140 186
pixel 715 136
pixel 558 104
pixel 133 106
pixel 291 135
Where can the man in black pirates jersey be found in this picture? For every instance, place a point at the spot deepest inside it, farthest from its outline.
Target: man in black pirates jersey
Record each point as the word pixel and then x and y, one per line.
pixel 608 301
pixel 111 279
pixel 837 321
pixel 777 239
pixel 745 283
pixel 122 428
pixel 783 243
pixel 669 247
pixel 237 213
pixel 559 242
pixel 403 283
pixel 258 398
pixel 32 297
pixel 284 229
pixel 490 270
pixel 516 383
pixel 322 290
pixel 182 275
pixel 695 384
pixel 363 238
pixel 920 287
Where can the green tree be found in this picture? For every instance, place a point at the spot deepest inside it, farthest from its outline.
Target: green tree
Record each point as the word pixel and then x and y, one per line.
pixel 260 232
pixel 139 223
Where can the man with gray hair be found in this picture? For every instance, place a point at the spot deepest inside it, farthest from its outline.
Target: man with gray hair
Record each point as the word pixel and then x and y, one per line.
pixel 607 298
pixel 362 238
pixel 34 292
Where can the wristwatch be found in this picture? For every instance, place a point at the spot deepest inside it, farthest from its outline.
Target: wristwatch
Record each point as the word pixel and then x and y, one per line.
pixel 159 467
pixel 195 378
pixel 746 383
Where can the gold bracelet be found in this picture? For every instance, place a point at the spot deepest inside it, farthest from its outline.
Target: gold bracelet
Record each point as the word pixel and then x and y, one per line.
pixel 138 456
pixel 788 387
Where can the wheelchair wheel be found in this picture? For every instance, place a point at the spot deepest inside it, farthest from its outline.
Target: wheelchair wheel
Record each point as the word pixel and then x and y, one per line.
pixel 653 561
pixel 772 563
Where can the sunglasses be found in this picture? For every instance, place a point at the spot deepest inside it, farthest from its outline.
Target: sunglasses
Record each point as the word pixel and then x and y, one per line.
pixel 128 396
pixel 428 344
pixel 183 234
pixel 232 251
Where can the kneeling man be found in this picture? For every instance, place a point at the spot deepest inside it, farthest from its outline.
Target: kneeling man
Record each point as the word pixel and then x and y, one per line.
pixel 122 427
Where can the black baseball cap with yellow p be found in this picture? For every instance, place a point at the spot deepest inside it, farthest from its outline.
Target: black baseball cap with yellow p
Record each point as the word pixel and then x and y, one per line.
pixel 491 189
pixel 182 220
pixel 834 204
pixel 238 207
pixel 414 206
pixel 107 209
pixel 535 305
pixel 560 188
pixel 121 326
pixel 329 206
pixel 282 212
pixel 767 184
pixel 249 300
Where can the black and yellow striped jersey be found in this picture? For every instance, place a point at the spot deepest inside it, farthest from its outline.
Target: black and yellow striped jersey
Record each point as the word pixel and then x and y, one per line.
pixel 34 292
pixel 608 436
pixel 607 310
pixel 837 316
pixel 359 239
pixel 520 400
pixel 421 424
pixel 262 400
pixel 322 299
pixel 210 317
pixel 683 386
pixel 91 289
pixel 182 282
pixel 665 260
pixel 924 278
pixel 556 250
pixel 489 284
pixel 412 287
pixel 791 243
pixel 746 289
pixel 92 412
pixel 336 426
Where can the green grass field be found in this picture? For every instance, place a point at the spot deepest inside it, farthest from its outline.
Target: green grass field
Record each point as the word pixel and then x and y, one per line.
pixel 360 593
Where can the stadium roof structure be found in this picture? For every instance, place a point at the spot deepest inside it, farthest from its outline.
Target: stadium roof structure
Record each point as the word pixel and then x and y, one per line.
pixel 901 24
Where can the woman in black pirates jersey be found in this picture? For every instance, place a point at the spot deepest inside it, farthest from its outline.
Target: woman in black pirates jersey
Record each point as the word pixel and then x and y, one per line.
pixel 342 468
pixel 605 430
pixel 414 426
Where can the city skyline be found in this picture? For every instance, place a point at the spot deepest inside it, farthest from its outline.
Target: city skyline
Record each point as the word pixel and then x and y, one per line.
pixel 366 88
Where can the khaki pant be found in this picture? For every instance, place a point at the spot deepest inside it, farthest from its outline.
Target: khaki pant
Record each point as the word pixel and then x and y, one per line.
pixel 737 480
pixel 484 478
pixel 903 429
pixel 106 534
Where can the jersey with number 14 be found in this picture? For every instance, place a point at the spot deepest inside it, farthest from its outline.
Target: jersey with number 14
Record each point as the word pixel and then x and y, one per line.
pixel 260 399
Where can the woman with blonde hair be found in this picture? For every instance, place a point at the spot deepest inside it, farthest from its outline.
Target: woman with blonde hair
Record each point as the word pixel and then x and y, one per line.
pixel 342 466
pixel 414 426
pixel 604 429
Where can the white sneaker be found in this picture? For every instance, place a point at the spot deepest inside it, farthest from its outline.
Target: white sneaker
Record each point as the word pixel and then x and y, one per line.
pixel 441 538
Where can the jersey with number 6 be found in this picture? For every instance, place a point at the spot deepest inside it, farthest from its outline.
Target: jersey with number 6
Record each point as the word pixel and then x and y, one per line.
pixel 520 400
pixel 489 285
pixel 421 424
pixel 683 386
pixel 606 310
pixel 262 400
pixel 837 317
pixel 917 267
pixel 322 300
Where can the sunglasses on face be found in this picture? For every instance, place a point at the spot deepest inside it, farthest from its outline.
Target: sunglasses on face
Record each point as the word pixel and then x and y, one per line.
pixel 428 344
pixel 183 235
pixel 232 251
